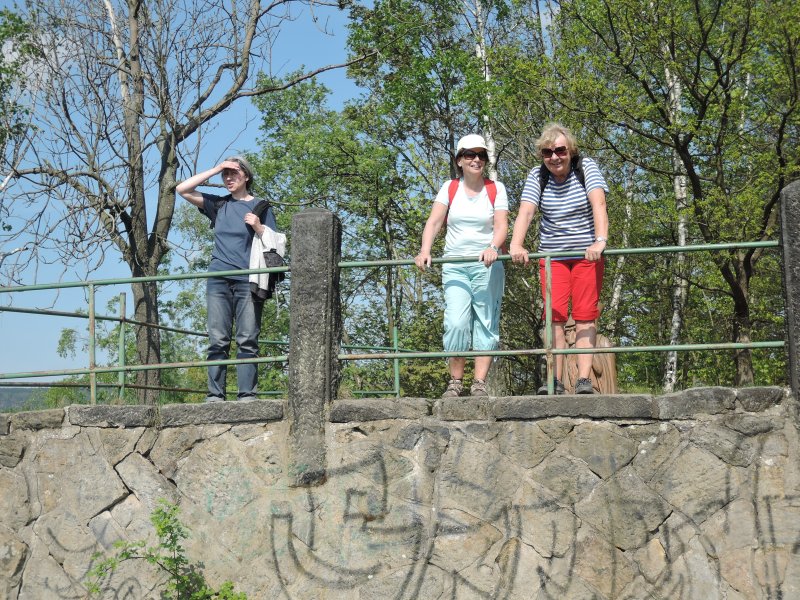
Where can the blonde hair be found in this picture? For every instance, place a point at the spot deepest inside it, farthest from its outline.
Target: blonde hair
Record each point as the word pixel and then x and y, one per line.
pixel 549 134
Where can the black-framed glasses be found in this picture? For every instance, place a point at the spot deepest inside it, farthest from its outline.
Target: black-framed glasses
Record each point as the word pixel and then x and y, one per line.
pixel 470 154
pixel 558 151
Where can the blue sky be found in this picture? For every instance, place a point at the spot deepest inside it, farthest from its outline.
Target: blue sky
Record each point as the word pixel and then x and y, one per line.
pixel 29 342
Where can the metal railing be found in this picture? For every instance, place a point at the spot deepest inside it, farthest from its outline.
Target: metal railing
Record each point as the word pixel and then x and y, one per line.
pixel 393 353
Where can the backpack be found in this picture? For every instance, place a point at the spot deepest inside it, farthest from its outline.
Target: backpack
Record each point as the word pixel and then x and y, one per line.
pixel 260 210
pixel 491 189
pixel 577 167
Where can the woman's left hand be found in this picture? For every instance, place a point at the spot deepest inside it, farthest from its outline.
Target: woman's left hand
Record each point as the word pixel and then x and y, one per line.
pixel 595 251
pixel 488 256
pixel 252 220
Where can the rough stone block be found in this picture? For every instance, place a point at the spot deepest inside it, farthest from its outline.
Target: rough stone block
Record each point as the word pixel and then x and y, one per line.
pixel 15 508
pixel 622 406
pixel 463 409
pixel 522 407
pixel 174 444
pixel 698 401
pixel 11 451
pixel 624 510
pixel 567 479
pixel 696 483
pixel 35 420
pixel 603 446
pixel 69 473
pixel 143 478
pixel 601 565
pixel 758 399
pixel 252 411
pixel 523 442
pixel 111 416
pixel 376 409
pixel 726 444
pixel 751 425
pixel 13 554
pixel 408 437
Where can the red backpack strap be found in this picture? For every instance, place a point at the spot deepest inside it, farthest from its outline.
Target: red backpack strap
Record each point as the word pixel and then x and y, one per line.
pixel 451 191
pixel 491 189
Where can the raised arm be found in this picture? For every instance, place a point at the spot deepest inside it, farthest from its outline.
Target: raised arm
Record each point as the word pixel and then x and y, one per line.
pixel 188 189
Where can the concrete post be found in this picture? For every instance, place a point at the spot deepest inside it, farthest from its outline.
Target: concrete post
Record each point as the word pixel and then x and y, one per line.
pixel 790 246
pixel 315 335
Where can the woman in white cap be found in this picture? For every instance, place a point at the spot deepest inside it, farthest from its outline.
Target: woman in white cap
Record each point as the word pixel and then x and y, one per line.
pixel 476 212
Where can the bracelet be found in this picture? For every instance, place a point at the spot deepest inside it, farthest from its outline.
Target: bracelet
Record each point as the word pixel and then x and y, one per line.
pixel 600 238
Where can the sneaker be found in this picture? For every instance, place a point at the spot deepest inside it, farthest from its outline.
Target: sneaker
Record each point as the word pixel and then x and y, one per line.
pixel 454 389
pixel 558 388
pixel 213 399
pixel 584 386
pixel 478 388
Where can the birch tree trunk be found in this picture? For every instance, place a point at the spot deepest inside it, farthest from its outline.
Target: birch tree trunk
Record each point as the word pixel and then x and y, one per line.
pixel 680 286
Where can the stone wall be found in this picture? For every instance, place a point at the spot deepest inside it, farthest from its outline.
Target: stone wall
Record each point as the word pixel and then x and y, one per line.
pixel 691 496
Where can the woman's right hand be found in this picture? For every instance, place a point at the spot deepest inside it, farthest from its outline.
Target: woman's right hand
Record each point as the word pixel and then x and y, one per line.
pixel 518 254
pixel 227 164
pixel 423 260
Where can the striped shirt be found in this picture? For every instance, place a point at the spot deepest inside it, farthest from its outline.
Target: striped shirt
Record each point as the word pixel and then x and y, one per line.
pixel 567 222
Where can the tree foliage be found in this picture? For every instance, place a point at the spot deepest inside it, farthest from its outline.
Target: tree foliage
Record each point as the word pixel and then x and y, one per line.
pixel 707 91
pixel 185 580
pixel 124 91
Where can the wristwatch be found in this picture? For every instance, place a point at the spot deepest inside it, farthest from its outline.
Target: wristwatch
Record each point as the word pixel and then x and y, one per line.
pixel 495 248
pixel 600 238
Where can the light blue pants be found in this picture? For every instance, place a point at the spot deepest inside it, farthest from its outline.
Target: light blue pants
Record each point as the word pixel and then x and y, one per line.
pixel 472 297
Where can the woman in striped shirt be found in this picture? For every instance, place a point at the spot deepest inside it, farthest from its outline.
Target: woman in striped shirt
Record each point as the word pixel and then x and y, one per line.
pixel 570 193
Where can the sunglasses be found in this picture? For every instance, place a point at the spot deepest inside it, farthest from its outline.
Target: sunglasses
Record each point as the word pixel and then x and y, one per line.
pixel 558 151
pixel 470 154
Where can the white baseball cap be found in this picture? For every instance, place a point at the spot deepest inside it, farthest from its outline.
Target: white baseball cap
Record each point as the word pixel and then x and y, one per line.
pixel 473 140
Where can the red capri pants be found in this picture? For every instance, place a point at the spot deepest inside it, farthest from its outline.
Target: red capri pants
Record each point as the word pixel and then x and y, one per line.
pixel 578 278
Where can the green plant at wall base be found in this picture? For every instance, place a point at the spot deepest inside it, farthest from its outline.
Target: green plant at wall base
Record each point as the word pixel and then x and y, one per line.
pixel 185 581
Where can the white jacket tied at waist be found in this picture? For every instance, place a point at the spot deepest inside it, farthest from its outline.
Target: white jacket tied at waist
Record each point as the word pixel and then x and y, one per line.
pixel 269 241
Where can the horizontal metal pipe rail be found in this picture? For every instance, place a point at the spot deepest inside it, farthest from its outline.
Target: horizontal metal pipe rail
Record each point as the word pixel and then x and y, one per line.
pixel 397 354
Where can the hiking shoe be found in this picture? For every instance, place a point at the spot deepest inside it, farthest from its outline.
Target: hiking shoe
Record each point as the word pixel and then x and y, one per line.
pixel 584 386
pixel 454 389
pixel 478 388
pixel 558 388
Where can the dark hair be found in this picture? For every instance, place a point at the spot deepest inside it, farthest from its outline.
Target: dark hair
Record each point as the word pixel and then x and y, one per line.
pixel 246 169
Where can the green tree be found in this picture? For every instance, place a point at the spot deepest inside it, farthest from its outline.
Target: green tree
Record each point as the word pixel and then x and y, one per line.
pixel 735 66
pixel 126 89
pixel 15 41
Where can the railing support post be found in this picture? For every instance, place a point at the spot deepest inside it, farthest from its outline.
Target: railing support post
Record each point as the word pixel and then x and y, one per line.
pixel 92 360
pixel 315 327
pixel 790 246
pixel 121 347
pixel 396 362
